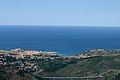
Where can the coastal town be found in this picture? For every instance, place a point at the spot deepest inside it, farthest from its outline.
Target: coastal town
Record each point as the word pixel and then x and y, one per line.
pixel 16 55
pixel 27 59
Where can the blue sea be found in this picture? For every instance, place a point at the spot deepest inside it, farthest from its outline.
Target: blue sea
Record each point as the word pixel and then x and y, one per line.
pixel 66 40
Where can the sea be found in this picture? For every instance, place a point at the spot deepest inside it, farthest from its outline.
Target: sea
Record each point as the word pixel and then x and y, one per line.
pixel 65 40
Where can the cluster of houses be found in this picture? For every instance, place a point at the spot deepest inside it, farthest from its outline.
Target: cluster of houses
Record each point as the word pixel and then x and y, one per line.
pixel 28 54
pixel 24 60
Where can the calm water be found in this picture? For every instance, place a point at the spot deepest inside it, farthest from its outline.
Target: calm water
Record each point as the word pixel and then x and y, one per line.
pixel 65 40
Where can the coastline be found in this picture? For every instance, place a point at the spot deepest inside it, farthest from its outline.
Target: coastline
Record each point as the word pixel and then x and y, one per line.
pixel 97 52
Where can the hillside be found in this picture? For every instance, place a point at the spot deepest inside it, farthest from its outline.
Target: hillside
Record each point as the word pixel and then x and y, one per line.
pixel 11 73
pixel 107 66
pixel 19 65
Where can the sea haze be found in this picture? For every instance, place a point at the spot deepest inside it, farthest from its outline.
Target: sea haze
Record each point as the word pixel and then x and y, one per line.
pixel 62 39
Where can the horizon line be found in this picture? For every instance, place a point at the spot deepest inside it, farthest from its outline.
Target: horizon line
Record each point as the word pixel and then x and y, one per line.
pixel 60 25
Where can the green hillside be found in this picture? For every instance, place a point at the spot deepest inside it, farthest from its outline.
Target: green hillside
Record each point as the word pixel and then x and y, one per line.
pixel 107 66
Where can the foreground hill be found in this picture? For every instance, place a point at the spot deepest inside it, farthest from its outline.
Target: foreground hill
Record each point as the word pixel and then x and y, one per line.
pixel 12 73
pixel 106 66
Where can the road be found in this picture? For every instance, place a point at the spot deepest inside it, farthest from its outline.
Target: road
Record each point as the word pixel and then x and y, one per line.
pixel 74 78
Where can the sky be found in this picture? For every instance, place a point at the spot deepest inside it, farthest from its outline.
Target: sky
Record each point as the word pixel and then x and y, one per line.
pixel 60 12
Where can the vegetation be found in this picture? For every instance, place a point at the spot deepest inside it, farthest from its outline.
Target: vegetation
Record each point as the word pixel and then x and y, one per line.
pixel 107 66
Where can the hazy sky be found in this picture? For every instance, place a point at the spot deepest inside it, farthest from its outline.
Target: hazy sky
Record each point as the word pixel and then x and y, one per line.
pixel 60 12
